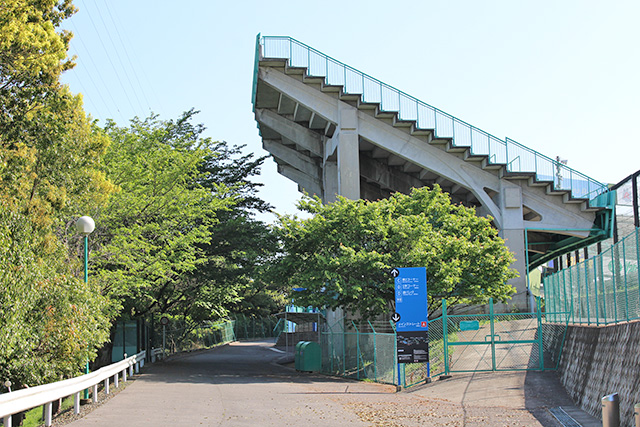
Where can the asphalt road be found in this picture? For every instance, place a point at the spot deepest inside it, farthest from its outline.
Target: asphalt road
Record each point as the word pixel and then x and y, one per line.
pixel 242 385
pixel 236 385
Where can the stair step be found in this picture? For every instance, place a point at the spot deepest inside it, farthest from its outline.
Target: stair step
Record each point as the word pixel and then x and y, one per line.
pixel 367 105
pixel 294 71
pixel 470 157
pixel 534 182
pixel 568 198
pixel 556 192
pixel 331 88
pixel 314 80
pixel 450 148
pixel 381 114
pixel 350 97
pixel 486 165
pixel 398 123
pixel 517 175
pixel 273 62
pixel 415 131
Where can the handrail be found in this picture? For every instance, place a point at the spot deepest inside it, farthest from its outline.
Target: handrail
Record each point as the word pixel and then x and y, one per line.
pixel 25 399
pixel 389 99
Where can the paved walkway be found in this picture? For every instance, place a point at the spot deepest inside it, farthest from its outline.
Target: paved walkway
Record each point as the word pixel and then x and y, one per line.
pixel 241 385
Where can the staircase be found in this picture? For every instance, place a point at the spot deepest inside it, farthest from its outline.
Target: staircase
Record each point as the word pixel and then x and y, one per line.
pixel 300 94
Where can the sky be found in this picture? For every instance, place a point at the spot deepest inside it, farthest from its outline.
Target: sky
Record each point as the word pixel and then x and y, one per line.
pixel 560 77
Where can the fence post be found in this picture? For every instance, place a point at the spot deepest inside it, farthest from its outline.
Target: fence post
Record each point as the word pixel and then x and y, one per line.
pixel 375 353
pixel 493 340
pixel 358 350
pixel 611 410
pixel 445 336
pixel 540 341
pixel 624 267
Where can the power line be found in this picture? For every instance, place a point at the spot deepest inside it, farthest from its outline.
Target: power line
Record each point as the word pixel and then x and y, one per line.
pixel 135 93
pixel 98 74
pixel 126 52
pixel 110 62
pixel 135 59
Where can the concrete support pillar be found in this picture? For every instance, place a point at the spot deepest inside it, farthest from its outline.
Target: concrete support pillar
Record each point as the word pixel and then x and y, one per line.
pixel 348 156
pixel 330 181
pixel 513 233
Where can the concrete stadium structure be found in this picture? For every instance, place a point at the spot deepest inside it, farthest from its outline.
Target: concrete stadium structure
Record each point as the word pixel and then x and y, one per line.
pixel 336 131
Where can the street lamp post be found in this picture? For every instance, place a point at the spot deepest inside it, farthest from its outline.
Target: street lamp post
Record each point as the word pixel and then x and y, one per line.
pixel 85 226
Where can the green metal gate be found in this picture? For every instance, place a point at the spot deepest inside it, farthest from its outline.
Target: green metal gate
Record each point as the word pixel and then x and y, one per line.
pixel 493 342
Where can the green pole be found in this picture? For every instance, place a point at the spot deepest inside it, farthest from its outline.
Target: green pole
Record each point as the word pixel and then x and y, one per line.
pixel 540 343
pixel 445 341
pixel 375 353
pixel 86 280
pixel 493 338
pixel 626 294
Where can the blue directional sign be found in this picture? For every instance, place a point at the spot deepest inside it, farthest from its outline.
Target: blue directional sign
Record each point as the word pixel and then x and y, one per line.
pixel 411 299
pixel 411 317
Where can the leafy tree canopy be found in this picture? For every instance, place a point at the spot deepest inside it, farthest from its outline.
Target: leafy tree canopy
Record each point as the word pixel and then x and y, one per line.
pixel 342 255
pixel 149 233
pixel 51 322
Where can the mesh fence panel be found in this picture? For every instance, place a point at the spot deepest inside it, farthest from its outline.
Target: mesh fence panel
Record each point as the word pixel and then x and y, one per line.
pixel 247 328
pixel 182 336
pixel 359 352
pixel 601 290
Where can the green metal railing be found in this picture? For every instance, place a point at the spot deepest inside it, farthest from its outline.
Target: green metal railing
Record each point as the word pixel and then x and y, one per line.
pixel 183 336
pixel 516 158
pixel 457 343
pixel 363 351
pixel 256 327
pixel 601 290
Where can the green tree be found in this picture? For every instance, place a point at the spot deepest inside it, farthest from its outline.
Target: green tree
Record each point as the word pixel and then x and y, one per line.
pixel 51 322
pixel 149 235
pixel 343 254
pixel 240 245
pixel 49 149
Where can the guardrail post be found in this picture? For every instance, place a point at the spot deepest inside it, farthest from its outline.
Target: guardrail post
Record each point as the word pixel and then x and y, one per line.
pixel 115 379
pixel 611 410
pixel 47 414
pixel 95 393
pixel 7 421
pixel 76 403
pixel 138 367
pixel 124 375
pixel 106 386
pixel 131 370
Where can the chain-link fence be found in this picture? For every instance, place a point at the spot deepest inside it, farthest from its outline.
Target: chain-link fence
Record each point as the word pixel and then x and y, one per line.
pixel 360 351
pixel 179 335
pixel 602 290
pixel 246 328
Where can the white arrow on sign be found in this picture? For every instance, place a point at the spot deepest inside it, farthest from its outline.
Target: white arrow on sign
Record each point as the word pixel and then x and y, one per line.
pixel 395 273
pixel 395 317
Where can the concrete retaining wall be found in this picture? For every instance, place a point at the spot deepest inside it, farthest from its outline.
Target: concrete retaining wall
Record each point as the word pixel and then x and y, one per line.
pixel 597 361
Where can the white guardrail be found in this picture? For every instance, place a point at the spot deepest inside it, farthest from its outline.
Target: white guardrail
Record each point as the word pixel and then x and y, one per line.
pixel 25 399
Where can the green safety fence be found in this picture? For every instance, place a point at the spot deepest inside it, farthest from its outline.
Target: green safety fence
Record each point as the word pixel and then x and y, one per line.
pixel 359 351
pixel 182 336
pixel 247 327
pixel 457 343
pixel 601 290
pixel 368 351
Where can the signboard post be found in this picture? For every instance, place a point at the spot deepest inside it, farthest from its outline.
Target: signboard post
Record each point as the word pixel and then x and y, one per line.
pixel 411 315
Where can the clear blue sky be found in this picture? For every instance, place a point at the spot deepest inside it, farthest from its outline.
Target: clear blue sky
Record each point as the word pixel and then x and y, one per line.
pixel 560 77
